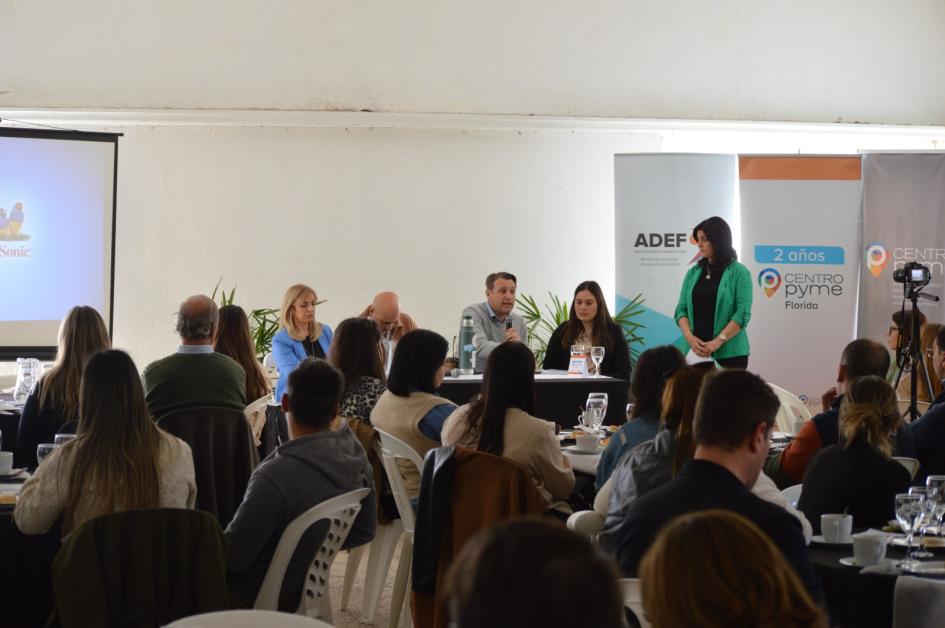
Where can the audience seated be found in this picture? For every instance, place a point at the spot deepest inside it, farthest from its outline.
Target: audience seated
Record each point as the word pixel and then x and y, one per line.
pixel 929 430
pixel 859 358
pixel 857 476
pixel 356 353
pixel 55 398
pixel 528 573
pixel 195 376
pixel 898 338
pixel 652 370
pixel 120 460
pixel 318 463
pixel 410 409
pixel 391 322
pixel 927 335
pixel 716 569
pixel 655 462
pixel 590 324
pixel 734 417
pixel 300 335
pixel 501 421
pixel 233 339
pixel 493 321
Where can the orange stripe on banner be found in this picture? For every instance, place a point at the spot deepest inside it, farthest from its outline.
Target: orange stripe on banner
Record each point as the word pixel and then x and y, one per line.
pixel 800 168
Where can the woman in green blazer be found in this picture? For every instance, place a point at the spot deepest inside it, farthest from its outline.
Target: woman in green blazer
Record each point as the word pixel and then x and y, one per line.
pixel 715 301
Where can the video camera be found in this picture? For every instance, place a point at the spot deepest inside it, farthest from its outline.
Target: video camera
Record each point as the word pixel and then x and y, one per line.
pixel 913 274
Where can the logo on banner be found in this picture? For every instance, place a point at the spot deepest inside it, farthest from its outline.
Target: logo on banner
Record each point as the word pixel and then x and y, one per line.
pixel 876 258
pixel 770 280
pixel 11 230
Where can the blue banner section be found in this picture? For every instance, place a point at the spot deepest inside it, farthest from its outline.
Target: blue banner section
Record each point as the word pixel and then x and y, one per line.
pixel 783 254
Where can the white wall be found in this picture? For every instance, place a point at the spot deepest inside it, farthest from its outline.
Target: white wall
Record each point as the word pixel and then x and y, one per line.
pixel 871 61
pixel 427 213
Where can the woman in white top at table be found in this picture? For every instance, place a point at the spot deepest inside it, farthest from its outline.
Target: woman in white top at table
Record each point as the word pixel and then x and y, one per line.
pixel 119 460
pixel 500 422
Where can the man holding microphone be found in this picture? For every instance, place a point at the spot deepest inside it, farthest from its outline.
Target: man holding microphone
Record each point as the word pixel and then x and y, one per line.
pixel 493 320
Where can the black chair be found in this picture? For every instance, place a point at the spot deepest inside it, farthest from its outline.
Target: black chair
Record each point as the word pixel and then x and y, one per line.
pixel 140 568
pixel 224 455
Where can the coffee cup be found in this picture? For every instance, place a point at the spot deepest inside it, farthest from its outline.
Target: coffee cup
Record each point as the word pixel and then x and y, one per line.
pixel 836 528
pixel 6 462
pixel 586 442
pixel 869 548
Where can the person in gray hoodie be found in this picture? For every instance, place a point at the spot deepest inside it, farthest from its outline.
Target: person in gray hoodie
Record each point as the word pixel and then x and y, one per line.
pixel 317 463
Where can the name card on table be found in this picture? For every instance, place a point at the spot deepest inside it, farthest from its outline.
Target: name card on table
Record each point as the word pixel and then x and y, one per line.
pixel 577 365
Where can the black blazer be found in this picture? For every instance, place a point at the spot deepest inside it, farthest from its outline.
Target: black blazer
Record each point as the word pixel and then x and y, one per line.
pixel 857 479
pixel 616 359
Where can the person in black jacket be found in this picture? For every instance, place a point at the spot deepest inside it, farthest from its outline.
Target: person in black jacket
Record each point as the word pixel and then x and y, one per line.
pixel 858 476
pixel 590 324
pixel 55 398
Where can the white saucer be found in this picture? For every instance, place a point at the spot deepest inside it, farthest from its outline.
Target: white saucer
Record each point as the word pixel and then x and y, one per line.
pixel 935 568
pixel 820 540
pixel 574 450
pixel 849 561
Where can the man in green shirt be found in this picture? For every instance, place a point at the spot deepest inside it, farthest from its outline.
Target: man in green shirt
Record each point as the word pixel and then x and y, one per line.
pixel 195 376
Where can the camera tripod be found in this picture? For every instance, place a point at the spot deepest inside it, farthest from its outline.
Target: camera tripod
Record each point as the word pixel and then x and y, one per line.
pixel 911 357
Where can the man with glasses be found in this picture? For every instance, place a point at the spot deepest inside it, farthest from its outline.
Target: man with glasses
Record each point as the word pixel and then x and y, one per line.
pixel 929 430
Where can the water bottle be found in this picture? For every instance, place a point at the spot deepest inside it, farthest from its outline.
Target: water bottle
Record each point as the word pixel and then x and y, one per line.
pixel 467 350
pixel 24 380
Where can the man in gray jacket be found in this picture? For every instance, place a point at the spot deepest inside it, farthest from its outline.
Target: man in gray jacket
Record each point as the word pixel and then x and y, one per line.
pixel 318 463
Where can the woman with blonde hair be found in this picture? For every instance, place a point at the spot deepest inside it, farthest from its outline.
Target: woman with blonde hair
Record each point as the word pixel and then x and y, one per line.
pixel 120 460
pixel 858 475
pixel 55 398
pixel 300 336
pixel 715 568
pixel 927 334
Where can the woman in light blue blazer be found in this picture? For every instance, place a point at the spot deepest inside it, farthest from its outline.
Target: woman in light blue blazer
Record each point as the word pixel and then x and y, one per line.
pixel 300 336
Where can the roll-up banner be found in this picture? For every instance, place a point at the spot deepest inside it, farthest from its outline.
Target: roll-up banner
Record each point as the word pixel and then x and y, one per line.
pixel 800 219
pixel 659 198
pixel 903 221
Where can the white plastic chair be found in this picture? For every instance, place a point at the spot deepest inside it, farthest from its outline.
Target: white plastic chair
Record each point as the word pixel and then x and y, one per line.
pixel 633 598
pixel 268 362
pixel 911 464
pixel 341 512
pixel 248 619
pixel 256 415
pixel 793 494
pixel 587 523
pixel 393 448
pixel 380 556
pixel 792 414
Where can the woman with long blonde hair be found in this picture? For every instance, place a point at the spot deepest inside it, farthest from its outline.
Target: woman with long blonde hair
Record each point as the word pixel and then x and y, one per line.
pixel 55 398
pixel 715 568
pixel 858 475
pixel 300 336
pixel 120 460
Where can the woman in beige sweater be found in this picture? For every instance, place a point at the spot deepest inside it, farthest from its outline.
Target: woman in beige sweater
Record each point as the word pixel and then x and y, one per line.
pixel 120 460
pixel 500 422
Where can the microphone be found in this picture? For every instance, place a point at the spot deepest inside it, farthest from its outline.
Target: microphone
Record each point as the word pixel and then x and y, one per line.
pixel 508 323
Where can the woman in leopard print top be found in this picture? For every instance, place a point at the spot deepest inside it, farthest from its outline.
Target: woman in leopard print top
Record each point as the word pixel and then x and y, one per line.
pixel 356 352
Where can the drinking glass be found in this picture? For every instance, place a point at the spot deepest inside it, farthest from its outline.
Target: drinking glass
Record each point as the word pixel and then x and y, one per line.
pixel 908 512
pixel 599 395
pixel 595 412
pixel 925 518
pixel 936 486
pixel 62 439
pixel 597 356
pixel 578 351
pixel 42 451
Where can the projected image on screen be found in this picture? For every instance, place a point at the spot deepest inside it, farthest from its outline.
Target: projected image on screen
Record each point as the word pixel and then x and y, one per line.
pixel 56 216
